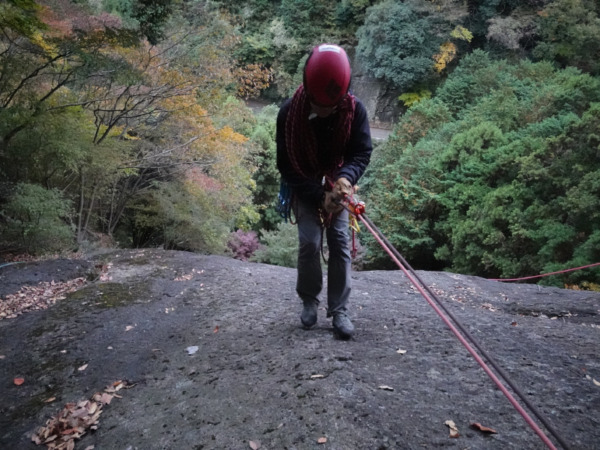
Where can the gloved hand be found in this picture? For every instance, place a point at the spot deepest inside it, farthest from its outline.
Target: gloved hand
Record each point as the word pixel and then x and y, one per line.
pixel 342 188
pixel 331 203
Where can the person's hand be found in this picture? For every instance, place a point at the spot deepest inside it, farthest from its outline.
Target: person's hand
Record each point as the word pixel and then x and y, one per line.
pixel 342 189
pixel 331 203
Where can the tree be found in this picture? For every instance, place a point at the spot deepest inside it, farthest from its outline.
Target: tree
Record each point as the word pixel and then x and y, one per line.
pixel 35 220
pixel 496 174
pixel 570 34
pixel 397 43
pixel 132 115
pixel 266 176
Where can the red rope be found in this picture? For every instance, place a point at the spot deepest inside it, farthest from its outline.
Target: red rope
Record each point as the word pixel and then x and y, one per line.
pixel 545 274
pixel 463 341
pixel 357 209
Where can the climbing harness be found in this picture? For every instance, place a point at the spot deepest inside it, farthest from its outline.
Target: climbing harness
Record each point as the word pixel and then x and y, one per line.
pixel 357 209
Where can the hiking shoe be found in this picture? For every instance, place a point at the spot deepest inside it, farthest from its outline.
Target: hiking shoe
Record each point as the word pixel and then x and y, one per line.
pixel 343 326
pixel 309 314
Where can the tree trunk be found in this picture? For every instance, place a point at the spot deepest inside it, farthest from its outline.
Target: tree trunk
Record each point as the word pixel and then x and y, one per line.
pixel 81 203
pixel 89 210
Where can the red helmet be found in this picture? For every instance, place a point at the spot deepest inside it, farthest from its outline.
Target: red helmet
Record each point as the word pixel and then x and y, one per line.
pixel 327 75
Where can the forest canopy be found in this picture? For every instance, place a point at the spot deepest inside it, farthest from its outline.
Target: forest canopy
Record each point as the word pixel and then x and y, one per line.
pixel 124 122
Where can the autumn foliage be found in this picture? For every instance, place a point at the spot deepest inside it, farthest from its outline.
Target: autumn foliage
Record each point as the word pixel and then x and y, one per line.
pixel 110 122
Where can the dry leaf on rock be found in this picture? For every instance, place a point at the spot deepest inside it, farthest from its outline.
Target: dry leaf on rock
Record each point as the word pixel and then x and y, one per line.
pixel 50 400
pixel 191 350
pixel 453 428
pixel 478 426
pixel 129 327
pixel 82 368
pixel 400 351
pixel 19 381
pixel 216 330
pixel 254 445
pixel 33 298
pixel 73 421
pixel 314 377
pixel 386 388
pixel 322 440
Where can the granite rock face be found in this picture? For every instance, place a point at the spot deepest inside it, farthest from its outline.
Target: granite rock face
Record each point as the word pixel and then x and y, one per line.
pixel 257 375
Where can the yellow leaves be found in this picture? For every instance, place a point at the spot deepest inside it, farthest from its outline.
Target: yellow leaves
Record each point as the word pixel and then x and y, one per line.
pixel 446 55
pixel 228 135
pixel 38 39
pixel 252 79
pixel 410 98
pixel 448 49
pixel 461 33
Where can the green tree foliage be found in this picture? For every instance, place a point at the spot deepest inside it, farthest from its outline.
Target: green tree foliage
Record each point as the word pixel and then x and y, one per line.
pixel 35 220
pixel 147 16
pixel 570 34
pixel 112 122
pixel 495 176
pixel 308 20
pixel 350 14
pixel 280 246
pixel 397 43
pixel 266 176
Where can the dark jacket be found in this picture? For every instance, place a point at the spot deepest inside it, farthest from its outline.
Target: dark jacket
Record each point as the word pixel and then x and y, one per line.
pixel 356 156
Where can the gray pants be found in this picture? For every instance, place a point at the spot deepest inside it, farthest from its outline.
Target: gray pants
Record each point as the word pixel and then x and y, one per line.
pixel 310 276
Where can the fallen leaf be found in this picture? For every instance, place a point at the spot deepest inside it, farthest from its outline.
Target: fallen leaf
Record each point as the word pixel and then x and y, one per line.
pixel 514 324
pixel 191 350
pixel 254 445
pixel 400 351
pixel 50 400
pixel 314 377
pixel 129 327
pixel 322 440
pixel 480 427
pixel 82 368
pixel 386 388
pixel 216 329
pixel 595 382
pixel 453 428
pixel 19 381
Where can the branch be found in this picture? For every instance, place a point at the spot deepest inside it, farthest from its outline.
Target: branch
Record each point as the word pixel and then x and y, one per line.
pixel 166 166
pixel 29 77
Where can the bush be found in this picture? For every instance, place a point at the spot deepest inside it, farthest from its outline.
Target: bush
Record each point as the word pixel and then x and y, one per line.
pixel 34 220
pixel 243 244
pixel 280 247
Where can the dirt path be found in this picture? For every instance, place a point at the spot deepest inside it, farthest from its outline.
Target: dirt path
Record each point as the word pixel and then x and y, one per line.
pixel 258 376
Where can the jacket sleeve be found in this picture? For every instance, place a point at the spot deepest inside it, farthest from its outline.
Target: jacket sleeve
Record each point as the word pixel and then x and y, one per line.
pixel 308 190
pixel 358 156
